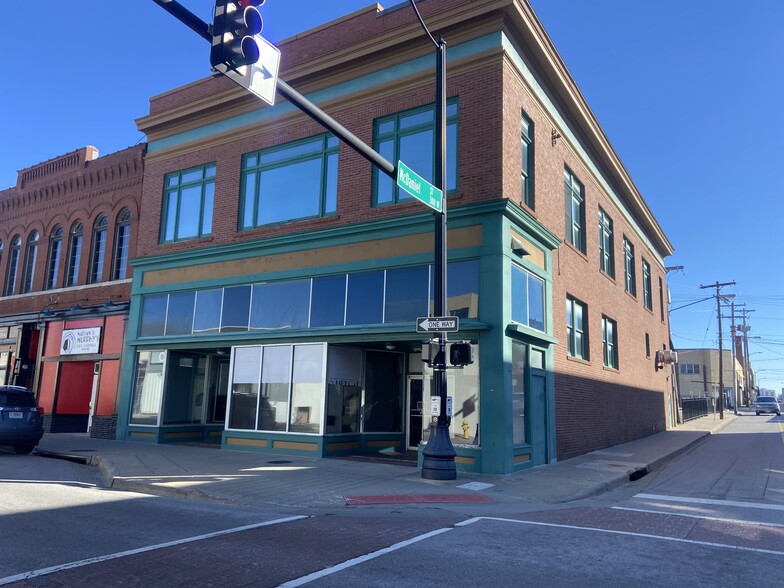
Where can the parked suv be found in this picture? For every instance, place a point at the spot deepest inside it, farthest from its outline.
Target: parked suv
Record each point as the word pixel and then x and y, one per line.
pixel 21 419
pixel 767 404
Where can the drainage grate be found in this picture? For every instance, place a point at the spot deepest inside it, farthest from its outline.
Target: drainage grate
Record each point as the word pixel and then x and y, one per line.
pixel 279 461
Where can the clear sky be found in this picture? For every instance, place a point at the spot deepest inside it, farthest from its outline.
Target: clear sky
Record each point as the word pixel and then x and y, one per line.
pixel 689 92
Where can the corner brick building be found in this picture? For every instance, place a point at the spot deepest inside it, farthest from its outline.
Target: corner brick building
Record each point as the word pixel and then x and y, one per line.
pixel 67 232
pixel 279 276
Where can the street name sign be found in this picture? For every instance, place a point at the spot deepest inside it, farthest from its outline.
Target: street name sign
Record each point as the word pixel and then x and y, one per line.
pixel 437 324
pixel 419 187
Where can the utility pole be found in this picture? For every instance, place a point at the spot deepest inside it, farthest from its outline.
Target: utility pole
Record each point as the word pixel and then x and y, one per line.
pixel 734 378
pixel 721 351
pixel 746 371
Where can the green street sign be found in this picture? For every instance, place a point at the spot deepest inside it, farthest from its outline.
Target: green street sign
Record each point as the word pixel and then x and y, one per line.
pixel 418 187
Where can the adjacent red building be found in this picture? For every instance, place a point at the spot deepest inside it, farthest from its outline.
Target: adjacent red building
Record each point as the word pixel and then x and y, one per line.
pixel 67 233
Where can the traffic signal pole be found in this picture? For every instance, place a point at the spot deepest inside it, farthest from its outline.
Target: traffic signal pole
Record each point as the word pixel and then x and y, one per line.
pixel 438 457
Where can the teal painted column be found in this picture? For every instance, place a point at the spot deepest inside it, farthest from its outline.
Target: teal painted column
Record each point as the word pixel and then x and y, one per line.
pixel 495 372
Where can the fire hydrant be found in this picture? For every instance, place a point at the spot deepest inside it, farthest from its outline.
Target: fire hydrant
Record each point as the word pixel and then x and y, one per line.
pixel 465 426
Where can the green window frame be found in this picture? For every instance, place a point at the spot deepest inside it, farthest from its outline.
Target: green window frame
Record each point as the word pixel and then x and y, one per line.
pixel 187 204
pixel 647 292
pixel 527 161
pixel 31 255
pixel 289 182
pixel 577 328
pixel 574 206
pixel 410 137
pixel 12 271
pixel 610 342
pixel 606 244
pixel 629 267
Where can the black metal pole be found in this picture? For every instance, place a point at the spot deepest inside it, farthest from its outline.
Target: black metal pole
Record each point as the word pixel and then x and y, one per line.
pixel 438 457
pixel 186 17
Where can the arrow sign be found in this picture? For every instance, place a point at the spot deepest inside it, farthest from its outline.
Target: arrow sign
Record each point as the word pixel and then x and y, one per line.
pixel 437 324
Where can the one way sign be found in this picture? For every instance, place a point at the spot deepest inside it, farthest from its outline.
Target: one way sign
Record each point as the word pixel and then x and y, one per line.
pixel 437 324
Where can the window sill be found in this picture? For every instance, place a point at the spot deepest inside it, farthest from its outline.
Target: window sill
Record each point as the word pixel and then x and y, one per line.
pixel 630 295
pixel 611 369
pixel 578 360
pixel 577 251
pixel 608 276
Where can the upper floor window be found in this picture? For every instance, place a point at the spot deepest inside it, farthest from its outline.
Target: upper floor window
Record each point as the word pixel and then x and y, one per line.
pixel 74 254
pixel 410 137
pixel 661 299
pixel 574 205
pixel 122 243
pixel 1 252
pixel 99 249
pixel 14 251
pixel 610 342
pixel 690 368
pixel 293 181
pixel 55 254
pixel 606 244
pixel 31 255
pixel 629 270
pixel 527 161
pixel 527 298
pixel 647 292
pixel 576 328
pixel 187 203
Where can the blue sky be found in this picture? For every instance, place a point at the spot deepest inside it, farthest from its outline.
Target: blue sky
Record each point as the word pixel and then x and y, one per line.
pixel 690 93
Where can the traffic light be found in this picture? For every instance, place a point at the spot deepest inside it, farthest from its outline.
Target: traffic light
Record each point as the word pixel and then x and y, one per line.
pixel 233 28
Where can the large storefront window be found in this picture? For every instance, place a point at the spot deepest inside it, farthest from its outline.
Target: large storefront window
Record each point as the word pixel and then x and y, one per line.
pixel 362 298
pixel 245 387
pixel 278 388
pixel 344 389
pixel 148 387
pixel 463 387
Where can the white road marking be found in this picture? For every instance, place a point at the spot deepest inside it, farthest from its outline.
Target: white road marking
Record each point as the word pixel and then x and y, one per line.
pixel 709 501
pixel 692 516
pixel 361 559
pixel 92 560
pixel 632 534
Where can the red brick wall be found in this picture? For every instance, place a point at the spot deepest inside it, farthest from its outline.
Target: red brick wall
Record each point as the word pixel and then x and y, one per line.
pixel 595 406
pixel 61 194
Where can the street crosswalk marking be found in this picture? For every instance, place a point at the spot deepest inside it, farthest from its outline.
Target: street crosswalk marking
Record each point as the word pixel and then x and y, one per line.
pixel 709 501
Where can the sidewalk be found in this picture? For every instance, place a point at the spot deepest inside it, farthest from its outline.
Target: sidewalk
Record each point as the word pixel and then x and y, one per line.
pixel 294 482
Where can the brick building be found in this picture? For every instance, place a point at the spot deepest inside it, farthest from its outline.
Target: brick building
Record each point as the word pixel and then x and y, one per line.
pixel 279 276
pixel 67 231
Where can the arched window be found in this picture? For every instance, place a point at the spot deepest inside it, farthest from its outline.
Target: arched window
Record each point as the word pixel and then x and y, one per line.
pixel 99 249
pixel 122 242
pixel 74 254
pixel 1 253
pixel 55 255
pixel 31 255
pixel 13 265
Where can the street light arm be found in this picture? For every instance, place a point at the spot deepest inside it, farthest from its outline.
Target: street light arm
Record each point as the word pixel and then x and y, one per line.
pixel 422 22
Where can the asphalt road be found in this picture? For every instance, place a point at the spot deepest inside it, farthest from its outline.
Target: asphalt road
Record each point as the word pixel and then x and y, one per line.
pixel 714 517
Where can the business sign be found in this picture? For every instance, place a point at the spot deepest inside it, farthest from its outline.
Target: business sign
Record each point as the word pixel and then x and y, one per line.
pixel 78 341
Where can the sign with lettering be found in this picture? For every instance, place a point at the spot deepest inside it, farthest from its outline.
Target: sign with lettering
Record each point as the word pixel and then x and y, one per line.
pixel 419 187
pixel 78 341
